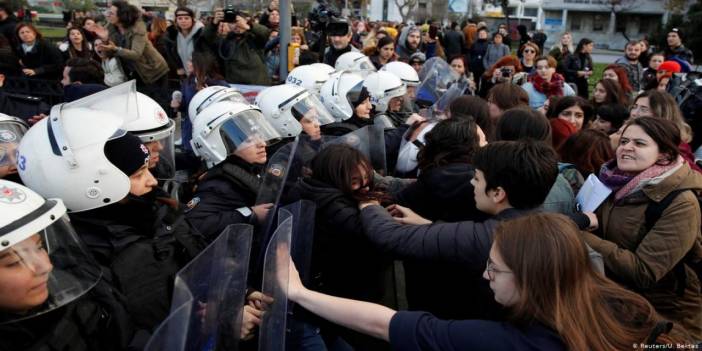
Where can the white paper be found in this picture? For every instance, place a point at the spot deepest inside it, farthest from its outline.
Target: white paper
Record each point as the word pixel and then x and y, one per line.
pixel 592 194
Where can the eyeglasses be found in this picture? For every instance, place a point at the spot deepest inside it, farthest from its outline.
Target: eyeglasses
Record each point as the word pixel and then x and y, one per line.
pixel 491 270
pixel 528 51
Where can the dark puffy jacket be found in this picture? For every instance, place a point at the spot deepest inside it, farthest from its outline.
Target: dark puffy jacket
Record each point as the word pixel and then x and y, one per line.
pixel 465 244
pixel 230 185
pixel 96 320
pixel 141 244
pixel 344 261
pixel 477 52
pixel 241 54
pixel 443 193
pixel 440 194
pixel 44 58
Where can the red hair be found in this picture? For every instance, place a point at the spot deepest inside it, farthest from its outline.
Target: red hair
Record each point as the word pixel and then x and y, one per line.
pixel 621 74
pixel 508 60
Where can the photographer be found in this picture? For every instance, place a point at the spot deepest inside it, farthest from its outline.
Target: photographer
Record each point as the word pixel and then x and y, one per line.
pixel 340 44
pixel 506 69
pixel 239 43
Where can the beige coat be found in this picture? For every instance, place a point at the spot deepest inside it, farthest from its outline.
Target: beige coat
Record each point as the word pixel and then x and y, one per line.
pixel 136 47
pixel 647 268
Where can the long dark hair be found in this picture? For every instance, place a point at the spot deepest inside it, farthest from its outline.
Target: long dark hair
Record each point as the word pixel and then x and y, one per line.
pixel 451 141
pixel 581 44
pixel 615 93
pixel 86 51
pixel 467 106
pixel 205 68
pixel 336 164
pixel 127 14
pixel 559 288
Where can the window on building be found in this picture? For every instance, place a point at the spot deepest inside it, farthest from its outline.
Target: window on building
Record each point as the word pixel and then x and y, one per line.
pixel 422 5
pixel 598 23
pixel 575 23
pixel 531 12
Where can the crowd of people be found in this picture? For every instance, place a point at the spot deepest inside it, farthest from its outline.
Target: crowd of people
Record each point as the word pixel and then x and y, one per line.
pixel 465 189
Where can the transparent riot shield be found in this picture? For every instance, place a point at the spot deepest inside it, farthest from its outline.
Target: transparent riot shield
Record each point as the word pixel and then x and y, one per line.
pixel 276 174
pixel 436 76
pixel 369 140
pixel 208 297
pixel 438 110
pixel 275 285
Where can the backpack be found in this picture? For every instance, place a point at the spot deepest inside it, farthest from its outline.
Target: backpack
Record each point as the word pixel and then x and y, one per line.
pixel 653 213
pixel 688 95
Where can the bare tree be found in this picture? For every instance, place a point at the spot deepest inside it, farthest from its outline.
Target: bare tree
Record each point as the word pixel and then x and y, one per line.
pixel 406 8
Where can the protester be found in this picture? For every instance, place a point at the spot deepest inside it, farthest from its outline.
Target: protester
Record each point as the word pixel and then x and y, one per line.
pixel 112 68
pixel 495 51
pixel 76 45
pixel 676 49
pixel 609 118
pixel 547 241
pixel 563 49
pixel 477 52
pixel 239 48
pixel 607 92
pixel 630 62
pixel 649 80
pixel 573 109
pixel 618 74
pixel 507 69
pixel 383 53
pixel 546 83
pixel 528 53
pixel 587 150
pixel 39 58
pixel 408 43
pixel 648 168
pixel 578 66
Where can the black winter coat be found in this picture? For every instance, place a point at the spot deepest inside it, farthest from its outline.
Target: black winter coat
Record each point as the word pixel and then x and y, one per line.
pixel 463 244
pixel 96 320
pixel 44 58
pixel 344 261
pixel 230 185
pixel 440 194
pixel 443 193
pixel 141 245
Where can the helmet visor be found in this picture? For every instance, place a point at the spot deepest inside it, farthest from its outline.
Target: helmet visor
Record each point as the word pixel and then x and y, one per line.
pixel 56 267
pixel 365 64
pixel 313 109
pixel 10 135
pixel 354 94
pixel 160 143
pixel 247 129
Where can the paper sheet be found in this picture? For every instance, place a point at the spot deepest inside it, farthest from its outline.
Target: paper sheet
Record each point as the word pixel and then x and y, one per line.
pixel 592 194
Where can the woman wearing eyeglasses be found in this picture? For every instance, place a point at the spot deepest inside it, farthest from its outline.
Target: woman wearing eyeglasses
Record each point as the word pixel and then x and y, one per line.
pixel 528 53
pixel 539 269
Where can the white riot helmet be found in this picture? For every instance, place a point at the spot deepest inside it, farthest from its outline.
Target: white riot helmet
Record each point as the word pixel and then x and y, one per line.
pixel 12 129
pixel 310 77
pixel 63 155
pixel 340 92
pixel 36 235
pixel 226 126
pixel 285 105
pixel 210 95
pixel 155 130
pixel 383 86
pixel 405 72
pixel 356 62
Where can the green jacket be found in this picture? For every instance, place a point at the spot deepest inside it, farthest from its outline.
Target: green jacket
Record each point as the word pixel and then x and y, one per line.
pixel 138 52
pixel 241 55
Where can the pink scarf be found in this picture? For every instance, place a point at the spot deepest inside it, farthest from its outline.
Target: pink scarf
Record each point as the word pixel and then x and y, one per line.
pixel 645 175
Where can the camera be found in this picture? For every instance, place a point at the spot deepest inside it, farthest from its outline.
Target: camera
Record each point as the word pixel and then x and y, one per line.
pixel 325 18
pixel 505 72
pixel 230 14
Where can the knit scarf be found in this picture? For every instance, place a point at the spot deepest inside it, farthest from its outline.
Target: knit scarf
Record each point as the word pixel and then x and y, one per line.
pixel 548 88
pixel 624 183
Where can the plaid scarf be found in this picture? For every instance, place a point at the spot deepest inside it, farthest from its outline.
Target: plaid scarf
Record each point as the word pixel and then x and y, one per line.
pixel 623 183
pixel 548 88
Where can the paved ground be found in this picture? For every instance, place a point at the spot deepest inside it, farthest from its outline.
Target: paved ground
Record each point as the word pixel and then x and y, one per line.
pixel 606 56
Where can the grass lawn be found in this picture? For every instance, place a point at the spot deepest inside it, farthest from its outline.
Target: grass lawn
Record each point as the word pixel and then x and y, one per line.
pixel 596 75
pixel 52 33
